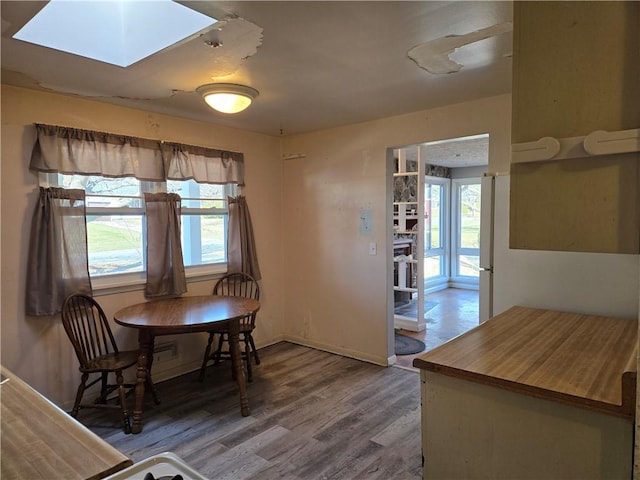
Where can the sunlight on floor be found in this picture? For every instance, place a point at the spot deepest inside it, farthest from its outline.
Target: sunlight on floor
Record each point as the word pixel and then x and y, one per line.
pixel 455 312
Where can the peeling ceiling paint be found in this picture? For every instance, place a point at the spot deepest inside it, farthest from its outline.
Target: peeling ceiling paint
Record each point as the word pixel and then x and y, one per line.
pixel 231 42
pixel 434 56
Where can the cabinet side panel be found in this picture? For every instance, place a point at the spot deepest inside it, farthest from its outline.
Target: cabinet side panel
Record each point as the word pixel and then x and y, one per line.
pixel 477 431
pixel 576 70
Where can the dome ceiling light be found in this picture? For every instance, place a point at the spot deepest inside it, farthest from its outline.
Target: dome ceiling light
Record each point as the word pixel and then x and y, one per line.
pixel 227 97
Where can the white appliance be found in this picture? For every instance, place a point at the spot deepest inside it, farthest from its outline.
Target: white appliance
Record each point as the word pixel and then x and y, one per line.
pixel 164 466
pixel 487 223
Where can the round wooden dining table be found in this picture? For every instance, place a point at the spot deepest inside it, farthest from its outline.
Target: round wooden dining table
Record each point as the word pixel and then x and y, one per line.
pixel 187 314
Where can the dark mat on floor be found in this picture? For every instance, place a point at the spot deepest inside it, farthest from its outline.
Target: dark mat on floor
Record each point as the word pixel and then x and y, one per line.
pixel 406 345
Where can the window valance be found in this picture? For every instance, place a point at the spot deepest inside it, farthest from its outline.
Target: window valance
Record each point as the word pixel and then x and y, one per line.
pixel 204 165
pixel 75 151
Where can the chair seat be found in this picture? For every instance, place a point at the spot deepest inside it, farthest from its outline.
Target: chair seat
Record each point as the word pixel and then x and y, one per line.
pixel 112 362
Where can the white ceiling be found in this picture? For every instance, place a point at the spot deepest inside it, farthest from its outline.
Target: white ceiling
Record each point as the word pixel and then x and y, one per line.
pixel 453 152
pixel 316 64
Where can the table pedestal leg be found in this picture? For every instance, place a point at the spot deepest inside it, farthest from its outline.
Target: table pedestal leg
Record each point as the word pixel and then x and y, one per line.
pixel 145 339
pixel 236 362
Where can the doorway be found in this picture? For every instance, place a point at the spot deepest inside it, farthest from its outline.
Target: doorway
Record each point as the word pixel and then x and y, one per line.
pixel 437 234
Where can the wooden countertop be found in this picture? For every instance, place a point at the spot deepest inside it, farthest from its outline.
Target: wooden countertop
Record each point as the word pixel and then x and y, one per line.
pixel 582 360
pixel 40 441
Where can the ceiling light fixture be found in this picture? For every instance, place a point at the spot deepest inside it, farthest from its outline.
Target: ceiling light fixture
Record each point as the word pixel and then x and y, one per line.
pixel 227 97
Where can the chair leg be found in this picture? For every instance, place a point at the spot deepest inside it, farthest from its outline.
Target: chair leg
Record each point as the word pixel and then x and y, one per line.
pixel 152 387
pixel 234 377
pixel 247 356
pixel 218 353
pixel 122 395
pixel 79 394
pixel 123 402
pixel 205 359
pixel 103 389
pixel 254 349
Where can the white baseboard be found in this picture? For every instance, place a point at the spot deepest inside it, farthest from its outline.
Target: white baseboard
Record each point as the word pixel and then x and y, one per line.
pixel 436 288
pixel 345 352
pixel 464 286
pixel 411 325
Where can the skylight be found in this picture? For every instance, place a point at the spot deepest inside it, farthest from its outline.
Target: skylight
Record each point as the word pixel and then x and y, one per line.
pixel 119 32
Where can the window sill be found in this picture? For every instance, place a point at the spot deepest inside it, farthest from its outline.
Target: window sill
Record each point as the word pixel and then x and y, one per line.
pixel 129 282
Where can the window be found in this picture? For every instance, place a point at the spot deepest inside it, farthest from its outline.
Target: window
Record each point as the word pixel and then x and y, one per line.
pixel 452 230
pixel 467 228
pixel 204 221
pixel 436 229
pixel 116 224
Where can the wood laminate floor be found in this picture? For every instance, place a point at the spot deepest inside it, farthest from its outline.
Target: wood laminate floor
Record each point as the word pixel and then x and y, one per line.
pixel 315 415
pixel 456 312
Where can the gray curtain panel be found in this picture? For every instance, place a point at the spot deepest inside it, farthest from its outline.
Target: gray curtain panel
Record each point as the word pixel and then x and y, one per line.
pixel 241 248
pixel 165 267
pixel 58 260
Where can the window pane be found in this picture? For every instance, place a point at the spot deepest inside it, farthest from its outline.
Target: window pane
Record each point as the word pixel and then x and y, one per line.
pixel 103 186
pixel 214 248
pixel 436 237
pixel 433 230
pixel 196 195
pixel 203 239
pixel 203 234
pixel 115 244
pixel 469 265
pixel 470 216
pixel 432 267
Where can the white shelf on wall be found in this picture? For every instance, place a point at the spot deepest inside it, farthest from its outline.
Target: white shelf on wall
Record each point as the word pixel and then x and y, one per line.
pixel 405 289
pixel 414 262
pixel 596 143
pixel 408 228
pixel 606 143
pixel 544 149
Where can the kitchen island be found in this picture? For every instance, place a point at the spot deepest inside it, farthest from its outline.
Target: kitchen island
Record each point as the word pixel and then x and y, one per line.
pixel 40 441
pixel 531 393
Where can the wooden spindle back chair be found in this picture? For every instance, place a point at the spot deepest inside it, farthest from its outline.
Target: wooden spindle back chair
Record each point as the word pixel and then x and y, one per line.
pixel 235 285
pixel 86 325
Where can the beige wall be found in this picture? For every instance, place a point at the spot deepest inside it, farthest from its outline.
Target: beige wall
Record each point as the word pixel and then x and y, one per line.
pixel 338 296
pixel 36 348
